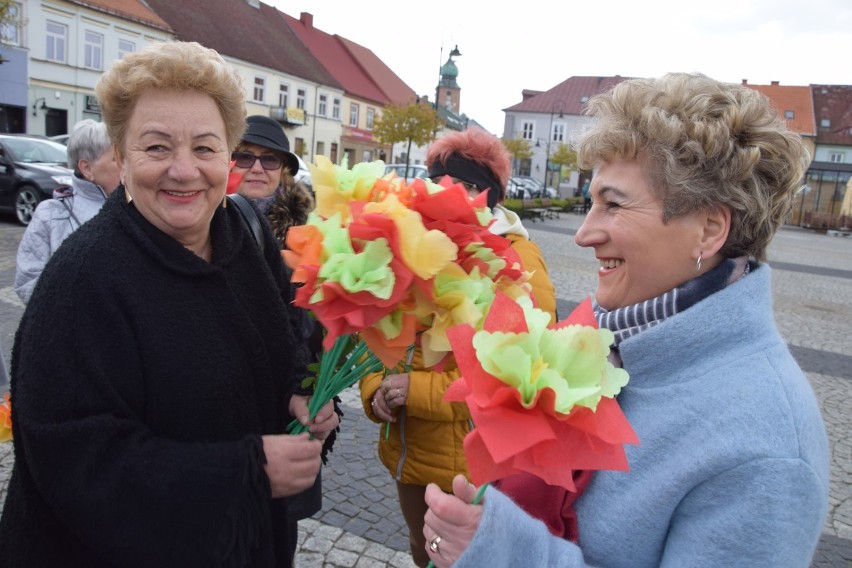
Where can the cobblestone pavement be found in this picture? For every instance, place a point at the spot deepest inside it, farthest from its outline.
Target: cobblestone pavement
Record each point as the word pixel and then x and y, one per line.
pixel 360 524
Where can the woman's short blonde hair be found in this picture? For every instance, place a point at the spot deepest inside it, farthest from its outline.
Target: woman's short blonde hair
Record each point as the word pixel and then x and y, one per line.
pixel 179 66
pixel 704 144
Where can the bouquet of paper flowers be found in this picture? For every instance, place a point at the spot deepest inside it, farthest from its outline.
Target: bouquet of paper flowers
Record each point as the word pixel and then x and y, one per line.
pixel 384 264
pixel 542 397
pixel 6 419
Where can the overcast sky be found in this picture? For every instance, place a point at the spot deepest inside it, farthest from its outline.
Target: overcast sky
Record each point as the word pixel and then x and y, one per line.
pixel 537 44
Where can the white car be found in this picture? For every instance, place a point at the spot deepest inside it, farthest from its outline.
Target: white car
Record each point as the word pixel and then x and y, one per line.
pixel 304 174
pixel 414 171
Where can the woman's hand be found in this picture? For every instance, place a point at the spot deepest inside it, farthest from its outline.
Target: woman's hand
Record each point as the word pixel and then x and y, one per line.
pixel 292 463
pixel 323 423
pixel 450 522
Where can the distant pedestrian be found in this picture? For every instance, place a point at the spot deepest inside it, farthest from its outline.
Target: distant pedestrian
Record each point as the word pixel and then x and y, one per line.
pixel 693 177
pixel 91 156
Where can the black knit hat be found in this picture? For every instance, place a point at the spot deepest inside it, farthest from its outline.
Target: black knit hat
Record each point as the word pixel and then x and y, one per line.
pixel 267 133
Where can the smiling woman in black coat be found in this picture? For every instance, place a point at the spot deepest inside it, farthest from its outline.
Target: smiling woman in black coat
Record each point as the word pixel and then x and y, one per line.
pixel 156 364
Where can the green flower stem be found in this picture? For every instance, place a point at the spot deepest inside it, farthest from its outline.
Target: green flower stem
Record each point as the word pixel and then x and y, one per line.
pixel 337 372
pixel 476 501
pixel 406 369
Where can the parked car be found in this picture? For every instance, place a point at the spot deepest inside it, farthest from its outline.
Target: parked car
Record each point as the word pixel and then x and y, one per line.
pixel 30 169
pixel 517 190
pixel 414 171
pixel 61 138
pixel 304 174
pixel 536 187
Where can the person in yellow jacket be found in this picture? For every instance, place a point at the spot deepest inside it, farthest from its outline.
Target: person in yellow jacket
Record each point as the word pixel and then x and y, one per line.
pixel 423 443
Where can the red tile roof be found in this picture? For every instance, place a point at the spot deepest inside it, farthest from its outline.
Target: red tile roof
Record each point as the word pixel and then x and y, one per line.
pixel 134 10
pixel 337 59
pixel 834 104
pixel 785 99
pixel 568 97
pixel 255 35
pixel 389 82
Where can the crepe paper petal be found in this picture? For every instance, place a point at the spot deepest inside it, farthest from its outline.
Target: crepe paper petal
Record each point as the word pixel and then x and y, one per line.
pixel 365 271
pixel 390 351
pixel 234 179
pixel 583 314
pixel 6 418
pixel 424 252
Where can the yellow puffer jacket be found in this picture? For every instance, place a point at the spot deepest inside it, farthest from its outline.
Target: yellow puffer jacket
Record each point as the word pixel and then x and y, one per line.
pixel 425 444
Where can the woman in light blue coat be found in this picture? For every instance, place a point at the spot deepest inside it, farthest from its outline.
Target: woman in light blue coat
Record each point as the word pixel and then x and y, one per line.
pixel 692 179
pixel 96 176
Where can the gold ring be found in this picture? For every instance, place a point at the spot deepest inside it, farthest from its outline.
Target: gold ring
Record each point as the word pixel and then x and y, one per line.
pixel 433 544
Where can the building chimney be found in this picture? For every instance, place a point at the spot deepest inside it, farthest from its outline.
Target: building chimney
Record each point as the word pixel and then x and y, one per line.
pixel 774 83
pixel 745 81
pixel 307 19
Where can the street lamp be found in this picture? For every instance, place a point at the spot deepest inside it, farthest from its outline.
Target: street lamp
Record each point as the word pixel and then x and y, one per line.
pixel 454 53
pixel 556 106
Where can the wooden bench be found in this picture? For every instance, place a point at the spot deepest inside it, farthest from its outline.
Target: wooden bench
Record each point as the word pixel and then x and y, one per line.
pixel 531 211
pixel 550 210
pixel 578 208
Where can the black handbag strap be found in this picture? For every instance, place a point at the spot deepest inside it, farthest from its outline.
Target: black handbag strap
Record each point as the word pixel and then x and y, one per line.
pixel 249 216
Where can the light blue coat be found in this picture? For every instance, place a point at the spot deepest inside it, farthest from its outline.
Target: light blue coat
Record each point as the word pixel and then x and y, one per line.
pixel 732 467
pixel 52 222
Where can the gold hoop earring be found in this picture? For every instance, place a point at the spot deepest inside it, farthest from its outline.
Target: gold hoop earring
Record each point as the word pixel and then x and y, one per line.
pixel 698 263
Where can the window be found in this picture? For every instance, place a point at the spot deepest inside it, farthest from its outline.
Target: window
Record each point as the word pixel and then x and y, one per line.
pixel 584 99
pixel 320 148
pixel 94 50
pixel 258 95
pixel 10 32
pixel 558 134
pixel 527 130
pixel 825 123
pixel 335 108
pixel 353 115
pixel 789 114
pixel 283 95
pixel 301 95
pixel 57 39
pixel 371 114
pixel 835 157
pixel 124 47
pixel 322 107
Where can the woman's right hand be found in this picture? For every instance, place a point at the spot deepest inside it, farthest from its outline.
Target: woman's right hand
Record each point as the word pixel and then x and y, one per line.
pixel 292 463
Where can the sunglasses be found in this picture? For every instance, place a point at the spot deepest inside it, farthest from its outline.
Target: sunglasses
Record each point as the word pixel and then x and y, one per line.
pixel 467 185
pixel 247 160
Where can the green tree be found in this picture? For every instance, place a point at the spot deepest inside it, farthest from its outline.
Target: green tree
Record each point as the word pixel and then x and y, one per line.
pixel 519 148
pixel 415 123
pixel 565 158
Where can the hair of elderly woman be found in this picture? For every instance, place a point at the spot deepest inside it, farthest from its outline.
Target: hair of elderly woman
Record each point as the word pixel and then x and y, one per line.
pixel 476 145
pixel 178 66
pixel 704 144
pixel 88 141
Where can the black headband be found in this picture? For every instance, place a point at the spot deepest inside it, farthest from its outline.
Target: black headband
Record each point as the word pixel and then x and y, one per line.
pixel 471 172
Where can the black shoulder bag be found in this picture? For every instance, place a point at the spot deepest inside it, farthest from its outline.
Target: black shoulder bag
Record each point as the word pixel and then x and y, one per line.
pixel 249 216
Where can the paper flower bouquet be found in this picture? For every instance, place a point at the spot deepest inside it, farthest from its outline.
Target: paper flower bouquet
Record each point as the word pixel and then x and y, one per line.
pixel 395 264
pixel 542 398
pixel 6 418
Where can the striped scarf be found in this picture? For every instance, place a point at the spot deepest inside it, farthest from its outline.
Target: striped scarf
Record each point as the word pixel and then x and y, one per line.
pixel 628 321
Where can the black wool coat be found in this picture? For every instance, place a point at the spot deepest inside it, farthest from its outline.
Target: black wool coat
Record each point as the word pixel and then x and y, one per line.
pixel 143 378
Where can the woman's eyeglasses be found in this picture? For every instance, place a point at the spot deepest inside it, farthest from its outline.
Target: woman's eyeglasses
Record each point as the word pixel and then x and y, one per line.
pixel 467 185
pixel 247 159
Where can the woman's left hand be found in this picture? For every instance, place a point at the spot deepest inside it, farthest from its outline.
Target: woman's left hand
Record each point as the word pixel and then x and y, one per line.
pixel 394 390
pixel 450 522
pixel 323 424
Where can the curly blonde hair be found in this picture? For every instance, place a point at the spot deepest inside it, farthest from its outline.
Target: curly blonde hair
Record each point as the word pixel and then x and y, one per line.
pixel 475 145
pixel 179 66
pixel 704 144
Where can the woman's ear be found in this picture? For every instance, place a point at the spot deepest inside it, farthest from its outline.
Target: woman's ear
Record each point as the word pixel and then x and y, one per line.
pixel 85 169
pixel 717 225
